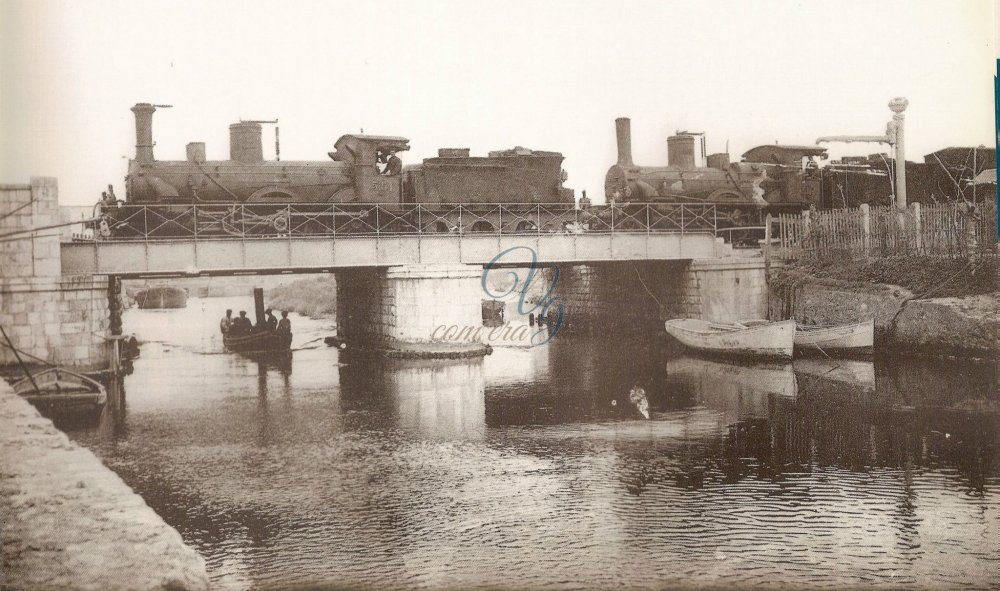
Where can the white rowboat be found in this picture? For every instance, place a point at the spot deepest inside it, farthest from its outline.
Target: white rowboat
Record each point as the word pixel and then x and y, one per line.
pixel 858 337
pixel 764 339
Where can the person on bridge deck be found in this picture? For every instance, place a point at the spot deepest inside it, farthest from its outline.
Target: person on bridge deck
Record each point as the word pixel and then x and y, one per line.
pixel 270 321
pixel 227 322
pixel 284 325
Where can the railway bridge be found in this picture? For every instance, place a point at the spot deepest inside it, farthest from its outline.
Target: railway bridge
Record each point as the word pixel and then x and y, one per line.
pixel 400 272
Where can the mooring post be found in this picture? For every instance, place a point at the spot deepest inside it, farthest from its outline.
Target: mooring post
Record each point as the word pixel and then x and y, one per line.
pixel 918 239
pixel 115 309
pixel 866 228
pixel 115 305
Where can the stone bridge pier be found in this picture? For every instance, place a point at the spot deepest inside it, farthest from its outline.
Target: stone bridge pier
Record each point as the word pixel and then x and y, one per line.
pixel 56 318
pixel 427 310
pixel 639 296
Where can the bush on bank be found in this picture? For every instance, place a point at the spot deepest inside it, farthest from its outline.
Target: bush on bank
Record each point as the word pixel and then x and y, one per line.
pixel 315 297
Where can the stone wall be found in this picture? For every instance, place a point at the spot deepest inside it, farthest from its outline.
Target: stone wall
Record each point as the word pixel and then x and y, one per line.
pixel 61 319
pixel 729 289
pixel 71 523
pixel 965 327
pixel 812 301
pixel 23 207
pixel 637 296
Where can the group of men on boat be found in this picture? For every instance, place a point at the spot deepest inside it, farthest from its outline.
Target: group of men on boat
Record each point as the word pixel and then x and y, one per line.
pixel 241 325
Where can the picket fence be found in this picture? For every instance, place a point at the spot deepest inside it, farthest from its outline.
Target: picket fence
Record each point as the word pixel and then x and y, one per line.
pixel 956 230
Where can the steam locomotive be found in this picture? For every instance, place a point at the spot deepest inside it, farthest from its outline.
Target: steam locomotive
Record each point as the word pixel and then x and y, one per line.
pixel 248 191
pixel 786 178
pixel 769 179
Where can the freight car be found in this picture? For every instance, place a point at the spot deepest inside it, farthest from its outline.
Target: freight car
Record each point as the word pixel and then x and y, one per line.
pixel 247 191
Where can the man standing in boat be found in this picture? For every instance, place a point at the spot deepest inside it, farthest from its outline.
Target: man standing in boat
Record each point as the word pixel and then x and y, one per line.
pixel 242 325
pixel 285 326
pixel 227 322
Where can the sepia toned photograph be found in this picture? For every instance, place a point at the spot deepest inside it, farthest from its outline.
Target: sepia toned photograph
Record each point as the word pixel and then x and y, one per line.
pixel 451 295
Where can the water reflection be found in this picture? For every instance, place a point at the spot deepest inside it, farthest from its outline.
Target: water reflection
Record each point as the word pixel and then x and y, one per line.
pixel 531 468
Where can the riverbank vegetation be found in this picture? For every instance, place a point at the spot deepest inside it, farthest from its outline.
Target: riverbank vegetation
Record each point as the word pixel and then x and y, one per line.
pixel 925 277
pixel 315 297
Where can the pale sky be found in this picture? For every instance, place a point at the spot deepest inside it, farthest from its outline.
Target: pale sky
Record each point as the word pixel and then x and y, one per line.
pixel 545 75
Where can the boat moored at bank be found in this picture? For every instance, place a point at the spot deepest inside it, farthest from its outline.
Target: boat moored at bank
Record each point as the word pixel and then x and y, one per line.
pixel 846 339
pixel 765 339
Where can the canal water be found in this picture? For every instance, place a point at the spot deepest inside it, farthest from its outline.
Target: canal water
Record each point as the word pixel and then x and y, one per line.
pixel 533 468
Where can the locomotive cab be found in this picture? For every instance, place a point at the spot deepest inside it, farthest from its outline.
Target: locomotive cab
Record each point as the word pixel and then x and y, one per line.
pixel 364 153
pixel 794 178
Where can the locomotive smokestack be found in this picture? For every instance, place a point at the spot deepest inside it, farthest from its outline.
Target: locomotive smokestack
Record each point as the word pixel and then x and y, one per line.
pixel 244 142
pixel 143 132
pixel 623 129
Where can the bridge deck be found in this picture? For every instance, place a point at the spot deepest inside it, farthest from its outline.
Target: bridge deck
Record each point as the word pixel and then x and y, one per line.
pixel 310 254
pixel 234 238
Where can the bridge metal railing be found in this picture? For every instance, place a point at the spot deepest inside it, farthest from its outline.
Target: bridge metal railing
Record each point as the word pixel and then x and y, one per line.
pixel 288 220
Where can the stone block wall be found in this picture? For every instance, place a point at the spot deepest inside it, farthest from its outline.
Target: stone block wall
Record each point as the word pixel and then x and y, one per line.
pixel 23 207
pixel 638 296
pixel 61 319
pixel 730 289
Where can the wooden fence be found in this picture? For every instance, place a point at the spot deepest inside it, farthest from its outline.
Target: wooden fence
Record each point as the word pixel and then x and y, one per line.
pixel 947 230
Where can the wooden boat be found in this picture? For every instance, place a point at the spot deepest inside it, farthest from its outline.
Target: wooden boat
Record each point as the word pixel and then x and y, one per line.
pixel 858 337
pixel 258 342
pixel 58 386
pixel 762 339
pixel 161 297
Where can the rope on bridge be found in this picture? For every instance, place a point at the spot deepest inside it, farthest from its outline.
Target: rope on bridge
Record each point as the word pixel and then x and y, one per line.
pixel 40 228
pixel 636 269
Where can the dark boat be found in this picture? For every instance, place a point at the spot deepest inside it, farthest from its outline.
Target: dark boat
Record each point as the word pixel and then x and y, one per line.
pixel 261 339
pixel 161 297
pixel 258 342
pixel 60 387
